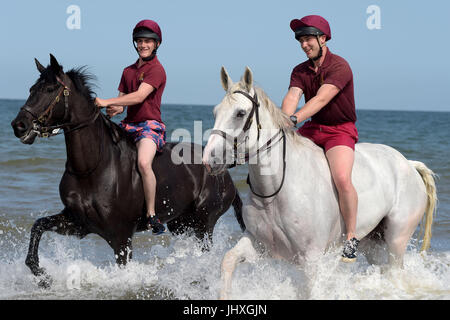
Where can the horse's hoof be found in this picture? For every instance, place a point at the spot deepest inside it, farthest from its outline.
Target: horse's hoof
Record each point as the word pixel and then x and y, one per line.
pixel 45 282
pixel 38 272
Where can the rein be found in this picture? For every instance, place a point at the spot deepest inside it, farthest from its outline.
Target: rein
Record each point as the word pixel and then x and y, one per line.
pixel 242 137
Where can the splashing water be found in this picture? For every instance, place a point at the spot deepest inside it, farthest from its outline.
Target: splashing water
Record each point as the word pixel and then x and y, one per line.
pixel 178 267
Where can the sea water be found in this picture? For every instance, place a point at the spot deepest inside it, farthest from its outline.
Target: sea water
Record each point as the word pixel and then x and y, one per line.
pixel 177 267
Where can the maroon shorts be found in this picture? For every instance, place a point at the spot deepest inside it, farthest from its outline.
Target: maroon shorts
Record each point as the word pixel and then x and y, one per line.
pixel 327 137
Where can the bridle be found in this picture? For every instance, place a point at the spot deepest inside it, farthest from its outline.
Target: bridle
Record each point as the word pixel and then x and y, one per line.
pixel 44 131
pixel 242 137
pixel 39 122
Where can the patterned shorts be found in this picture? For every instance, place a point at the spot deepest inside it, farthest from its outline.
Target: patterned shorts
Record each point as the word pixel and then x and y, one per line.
pixel 151 129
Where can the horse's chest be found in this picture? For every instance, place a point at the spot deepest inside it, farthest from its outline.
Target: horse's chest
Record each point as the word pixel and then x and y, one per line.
pixel 259 222
pixel 265 224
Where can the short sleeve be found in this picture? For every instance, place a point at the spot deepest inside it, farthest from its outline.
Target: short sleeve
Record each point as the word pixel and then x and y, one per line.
pixel 296 79
pixel 156 77
pixel 339 75
pixel 123 84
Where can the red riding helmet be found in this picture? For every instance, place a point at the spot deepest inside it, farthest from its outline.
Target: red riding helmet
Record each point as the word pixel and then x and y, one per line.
pixel 147 29
pixel 311 25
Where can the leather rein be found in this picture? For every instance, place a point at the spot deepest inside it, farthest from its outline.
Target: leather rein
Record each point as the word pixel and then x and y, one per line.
pixel 242 137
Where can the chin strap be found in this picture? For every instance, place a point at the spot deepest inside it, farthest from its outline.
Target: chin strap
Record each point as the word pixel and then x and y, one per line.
pixel 320 50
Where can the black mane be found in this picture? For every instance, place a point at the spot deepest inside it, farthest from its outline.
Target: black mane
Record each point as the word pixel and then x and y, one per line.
pixel 80 77
pixel 82 81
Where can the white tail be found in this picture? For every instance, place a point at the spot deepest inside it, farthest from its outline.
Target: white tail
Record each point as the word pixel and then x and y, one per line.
pixel 428 179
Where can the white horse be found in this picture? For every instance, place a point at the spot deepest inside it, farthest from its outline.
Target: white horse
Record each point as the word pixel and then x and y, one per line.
pixel 293 208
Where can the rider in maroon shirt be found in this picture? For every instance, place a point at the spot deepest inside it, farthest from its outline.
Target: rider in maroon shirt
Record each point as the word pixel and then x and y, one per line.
pixel 141 88
pixel 327 82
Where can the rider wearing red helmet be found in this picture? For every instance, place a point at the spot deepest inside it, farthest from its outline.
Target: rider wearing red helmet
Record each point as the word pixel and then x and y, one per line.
pixel 140 89
pixel 326 80
pixel 147 29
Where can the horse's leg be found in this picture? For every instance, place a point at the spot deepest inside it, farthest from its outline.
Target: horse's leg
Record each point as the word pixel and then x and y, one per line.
pixel 180 224
pixel 61 223
pixel 242 251
pixel 196 221
pixel 217 196
pixel 399 229
pixel 374 245
pixel 204 224
pixel 123 250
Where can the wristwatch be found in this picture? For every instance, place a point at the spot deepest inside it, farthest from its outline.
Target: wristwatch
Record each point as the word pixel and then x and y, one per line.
pixel 293 119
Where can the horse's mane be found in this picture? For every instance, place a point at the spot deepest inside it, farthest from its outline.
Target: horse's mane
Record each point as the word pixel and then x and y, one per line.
pixel 82 79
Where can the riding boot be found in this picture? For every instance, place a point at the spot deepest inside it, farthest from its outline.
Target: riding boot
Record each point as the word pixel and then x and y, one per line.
pixel 156 225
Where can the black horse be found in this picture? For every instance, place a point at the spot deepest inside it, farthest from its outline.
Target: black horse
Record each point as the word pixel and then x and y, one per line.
pixel 101 188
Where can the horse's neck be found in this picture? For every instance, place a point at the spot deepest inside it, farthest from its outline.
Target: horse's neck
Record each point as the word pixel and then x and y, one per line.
pixel 266 169
pixel 266 161
pixel 84 145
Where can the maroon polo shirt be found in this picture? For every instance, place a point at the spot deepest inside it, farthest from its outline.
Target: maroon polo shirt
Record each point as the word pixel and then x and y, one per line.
pixel 336 71
pixel 153 73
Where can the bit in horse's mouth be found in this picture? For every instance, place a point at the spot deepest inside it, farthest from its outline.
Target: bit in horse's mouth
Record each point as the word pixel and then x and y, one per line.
pixel 28 138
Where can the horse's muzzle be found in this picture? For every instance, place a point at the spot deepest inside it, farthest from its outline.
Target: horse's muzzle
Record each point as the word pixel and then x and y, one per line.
pixel 23 130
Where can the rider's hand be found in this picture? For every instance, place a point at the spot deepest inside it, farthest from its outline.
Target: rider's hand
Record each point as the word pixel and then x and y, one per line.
pixel 100 102
pixel 289 124
pixel 114 110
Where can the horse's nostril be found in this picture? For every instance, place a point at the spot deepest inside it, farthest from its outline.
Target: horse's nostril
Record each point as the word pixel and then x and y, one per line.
pixel 21 126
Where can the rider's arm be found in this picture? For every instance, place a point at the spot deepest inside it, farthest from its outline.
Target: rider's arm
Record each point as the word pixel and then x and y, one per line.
pixel 321 99
pixel 290 101
pixel 129 99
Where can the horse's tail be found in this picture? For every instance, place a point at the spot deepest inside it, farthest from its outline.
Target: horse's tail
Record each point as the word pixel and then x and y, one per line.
pixel 428 179
pixel 237 205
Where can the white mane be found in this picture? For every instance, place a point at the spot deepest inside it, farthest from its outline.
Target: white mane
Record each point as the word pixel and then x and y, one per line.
pixel 280 119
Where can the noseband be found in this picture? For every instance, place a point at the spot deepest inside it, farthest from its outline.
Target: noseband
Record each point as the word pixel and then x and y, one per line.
pixel 39 122
pixel 242 137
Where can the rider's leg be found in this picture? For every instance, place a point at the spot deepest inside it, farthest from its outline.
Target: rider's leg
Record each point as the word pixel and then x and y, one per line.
pixel 146 152
pixel 340 160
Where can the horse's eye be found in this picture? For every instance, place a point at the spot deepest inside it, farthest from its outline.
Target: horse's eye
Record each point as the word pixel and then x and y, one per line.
pixel 241 113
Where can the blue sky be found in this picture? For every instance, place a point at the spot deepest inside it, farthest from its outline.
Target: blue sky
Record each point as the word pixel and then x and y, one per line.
pixel 401 66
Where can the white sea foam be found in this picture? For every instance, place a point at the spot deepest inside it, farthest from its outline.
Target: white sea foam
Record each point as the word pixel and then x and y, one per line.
pixel 170 267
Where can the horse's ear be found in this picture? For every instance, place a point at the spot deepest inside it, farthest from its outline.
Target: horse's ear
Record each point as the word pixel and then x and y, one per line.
pixel 39 66
pixel 225 78
pixel 57 69
pixel 248 78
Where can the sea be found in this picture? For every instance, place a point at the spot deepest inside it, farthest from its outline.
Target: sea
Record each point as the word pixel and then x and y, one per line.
pixel 172 267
